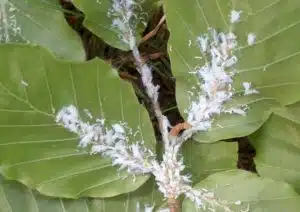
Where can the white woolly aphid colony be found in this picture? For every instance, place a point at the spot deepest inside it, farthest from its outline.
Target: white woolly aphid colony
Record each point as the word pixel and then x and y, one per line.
pixel 215 82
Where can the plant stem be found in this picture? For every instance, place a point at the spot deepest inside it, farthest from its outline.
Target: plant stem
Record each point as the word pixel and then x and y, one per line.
pixel 174 205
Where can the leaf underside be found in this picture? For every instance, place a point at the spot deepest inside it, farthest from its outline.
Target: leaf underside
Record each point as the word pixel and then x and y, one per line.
pixel 277 146
pixel 42 155
pixel 243 190
pixel 202 160
pixel 101 24
pixel 271 64
pixel 18 198
pixel 41 23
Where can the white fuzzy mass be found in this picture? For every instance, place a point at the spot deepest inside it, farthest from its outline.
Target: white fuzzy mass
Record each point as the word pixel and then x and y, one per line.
pixel 248 90
pixel 112 142
pixel 235 16
pixel 123 13
pixel 251 39
pixel 214 78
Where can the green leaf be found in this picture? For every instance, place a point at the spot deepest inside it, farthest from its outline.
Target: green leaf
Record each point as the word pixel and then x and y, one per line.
pixel 44 156
pixel 254 193
pixel 42 23
pixel 228 126
pixel 100 23
pixel 19 198
pixel 202 160
pixel 277 146
pixel 146 196
pixel 271 64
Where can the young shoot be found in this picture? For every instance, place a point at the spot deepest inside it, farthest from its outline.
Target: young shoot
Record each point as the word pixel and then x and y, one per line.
pixel 113 142
pixel 215 83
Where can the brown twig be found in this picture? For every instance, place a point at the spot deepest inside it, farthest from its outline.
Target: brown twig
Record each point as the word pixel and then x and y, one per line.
pixel 154 31
pixel 153 56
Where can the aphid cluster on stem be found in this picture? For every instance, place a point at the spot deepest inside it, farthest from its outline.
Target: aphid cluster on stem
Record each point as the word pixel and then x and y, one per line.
pixel 215 80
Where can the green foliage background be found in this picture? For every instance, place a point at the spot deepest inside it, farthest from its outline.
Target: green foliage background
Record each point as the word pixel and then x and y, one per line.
pixel 38 48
